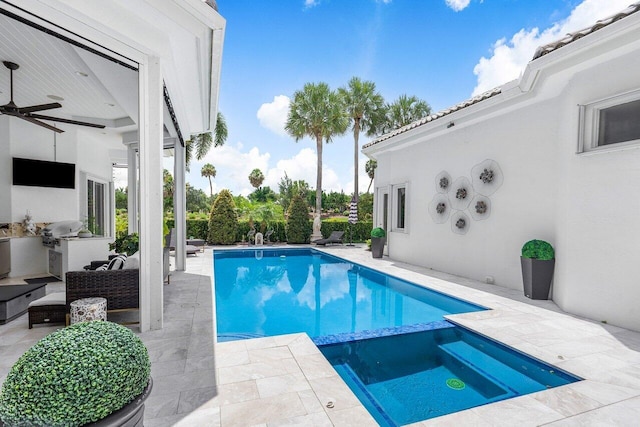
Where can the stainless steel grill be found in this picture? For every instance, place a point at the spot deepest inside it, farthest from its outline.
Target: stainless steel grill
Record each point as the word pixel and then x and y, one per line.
pixel 52 233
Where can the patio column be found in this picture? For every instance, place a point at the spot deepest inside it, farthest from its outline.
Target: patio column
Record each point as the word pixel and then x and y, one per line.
pixel 151 145
pixel 180 205
pixel 132 189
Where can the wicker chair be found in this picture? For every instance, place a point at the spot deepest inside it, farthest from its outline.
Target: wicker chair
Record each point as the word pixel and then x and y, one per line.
pixel 121 288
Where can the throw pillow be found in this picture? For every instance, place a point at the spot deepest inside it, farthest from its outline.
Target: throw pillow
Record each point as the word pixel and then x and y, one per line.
pixel 103 267
pixel 117 263
pixel 132 262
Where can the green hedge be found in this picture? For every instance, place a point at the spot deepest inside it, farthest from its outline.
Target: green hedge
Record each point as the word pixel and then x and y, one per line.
pixel 199 228
pixel 361 230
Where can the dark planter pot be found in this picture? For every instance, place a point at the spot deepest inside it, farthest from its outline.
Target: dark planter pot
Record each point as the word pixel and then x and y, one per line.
pixel 377 246
pixel 537 275
pixel 131 415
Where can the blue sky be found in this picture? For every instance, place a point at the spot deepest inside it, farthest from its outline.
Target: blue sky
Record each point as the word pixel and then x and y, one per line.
pixel 442 51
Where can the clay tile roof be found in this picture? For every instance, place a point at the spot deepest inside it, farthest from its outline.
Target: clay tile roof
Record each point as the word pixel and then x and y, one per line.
pixel 440 114
pixel 571 37
pixel 541 51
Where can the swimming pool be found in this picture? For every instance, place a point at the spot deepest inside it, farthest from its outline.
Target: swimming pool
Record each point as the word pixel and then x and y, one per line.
pixel 386 337
pixel 279 291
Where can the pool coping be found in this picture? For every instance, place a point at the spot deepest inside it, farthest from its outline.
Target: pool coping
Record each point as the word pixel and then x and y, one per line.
pixel 607 357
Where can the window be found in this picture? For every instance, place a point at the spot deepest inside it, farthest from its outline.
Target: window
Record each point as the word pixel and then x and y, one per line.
pixel 96 204
pixel 401 200
pixel 96 198
pixel 610 124
pixel 383 208
pixel 399 214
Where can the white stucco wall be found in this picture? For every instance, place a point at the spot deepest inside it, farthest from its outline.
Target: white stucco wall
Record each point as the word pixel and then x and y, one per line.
pixel 88 150
pixel 523 208
pixel 586 205
pixel 46 204
pixel 598 206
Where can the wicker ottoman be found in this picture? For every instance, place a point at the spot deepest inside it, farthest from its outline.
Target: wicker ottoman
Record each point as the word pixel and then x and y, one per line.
pixel 48 309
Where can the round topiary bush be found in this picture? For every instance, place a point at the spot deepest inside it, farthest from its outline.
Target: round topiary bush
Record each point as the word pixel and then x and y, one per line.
pixel 223 221
pixel 378 232
pixel 298 228
pixel 74 376
pixel 538 249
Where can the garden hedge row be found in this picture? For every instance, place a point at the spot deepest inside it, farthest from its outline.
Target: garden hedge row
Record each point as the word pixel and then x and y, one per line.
pixel 199 229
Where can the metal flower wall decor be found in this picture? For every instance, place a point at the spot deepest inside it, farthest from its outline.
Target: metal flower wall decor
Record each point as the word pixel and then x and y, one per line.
pixel 443 182
pixel 486 177
pixel 461 193
pixel 460 222
pixel 439 208
pixel 480 208
pixel 454 198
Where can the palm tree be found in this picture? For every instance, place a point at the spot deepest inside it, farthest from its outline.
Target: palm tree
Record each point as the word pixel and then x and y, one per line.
pixel 209 171
pixel 366 111
pixel 405 110
pixel 201 143
pixel 316 111
pixel 370 168
pixel 256 178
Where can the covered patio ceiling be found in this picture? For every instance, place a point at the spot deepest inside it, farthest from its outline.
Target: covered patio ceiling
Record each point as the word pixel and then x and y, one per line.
pixel 91 83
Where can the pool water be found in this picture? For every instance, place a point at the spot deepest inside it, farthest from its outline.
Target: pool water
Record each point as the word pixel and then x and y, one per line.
pixel 279 291
pixel 447 370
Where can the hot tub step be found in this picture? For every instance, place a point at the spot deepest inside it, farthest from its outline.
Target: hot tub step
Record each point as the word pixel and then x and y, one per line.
pixel 490 367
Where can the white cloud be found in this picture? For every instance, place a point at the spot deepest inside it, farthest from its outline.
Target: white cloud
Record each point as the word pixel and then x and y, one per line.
pixel 458 5
pixel 233 167
pixel 509 58
pixel 311 3
pixel 120 177
pixel 302 166
pixel 273 115
pixel 363 178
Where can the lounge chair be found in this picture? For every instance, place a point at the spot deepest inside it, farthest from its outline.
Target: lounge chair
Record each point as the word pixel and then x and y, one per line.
pixel 191 250
pixel 334 237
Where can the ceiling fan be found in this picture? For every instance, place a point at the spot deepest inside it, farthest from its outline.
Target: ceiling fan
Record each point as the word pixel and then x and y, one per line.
pixel 26 113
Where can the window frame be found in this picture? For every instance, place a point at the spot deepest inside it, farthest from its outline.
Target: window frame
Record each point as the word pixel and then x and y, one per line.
pixel 105 200
pixel 382 219
pixel 589 124
pixel 394 208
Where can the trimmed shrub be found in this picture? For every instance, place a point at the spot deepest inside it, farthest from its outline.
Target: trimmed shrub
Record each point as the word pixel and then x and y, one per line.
pixel 223 222
pixel 126 244
pixel 74 376
pixel 199 229
pixel 378 232
pixel 361 229
pixel 538 249
pixel 298 225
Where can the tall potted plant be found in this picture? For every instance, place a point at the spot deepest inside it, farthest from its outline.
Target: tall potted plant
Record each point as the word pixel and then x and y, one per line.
pixel 537 261
pixel 378 240
pixel 91 373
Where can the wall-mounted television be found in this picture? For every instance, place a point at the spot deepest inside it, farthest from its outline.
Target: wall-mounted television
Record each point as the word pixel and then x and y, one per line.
pixel 42 173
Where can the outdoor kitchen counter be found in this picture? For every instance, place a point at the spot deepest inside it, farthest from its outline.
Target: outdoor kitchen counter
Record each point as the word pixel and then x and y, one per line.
pixel 73 253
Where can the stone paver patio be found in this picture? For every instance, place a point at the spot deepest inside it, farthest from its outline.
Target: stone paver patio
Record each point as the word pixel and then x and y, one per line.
pixel 285 380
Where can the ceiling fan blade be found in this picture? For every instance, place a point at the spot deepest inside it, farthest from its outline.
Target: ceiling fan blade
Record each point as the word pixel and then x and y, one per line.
pixel 57 119
pixel 38 122
pixel 40 107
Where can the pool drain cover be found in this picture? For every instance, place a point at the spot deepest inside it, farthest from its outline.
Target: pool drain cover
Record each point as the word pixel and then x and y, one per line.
pixel 455 384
